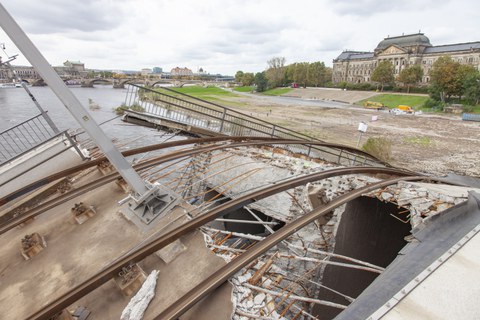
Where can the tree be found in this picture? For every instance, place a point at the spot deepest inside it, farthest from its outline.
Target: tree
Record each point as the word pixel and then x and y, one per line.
pixel 383 73
pixel 248 79
pixel 471 87
pixel 300 73
pixel 239 76
pixel 444 78
pixel 463 72
pixel 410 76
pixel 276 71
pixel 261 81
pixel 317 74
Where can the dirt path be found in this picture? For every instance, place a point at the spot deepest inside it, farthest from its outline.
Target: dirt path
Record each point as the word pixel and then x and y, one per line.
pixel 436 144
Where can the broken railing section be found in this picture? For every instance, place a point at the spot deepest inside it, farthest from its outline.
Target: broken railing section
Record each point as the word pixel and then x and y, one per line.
pixel 167 104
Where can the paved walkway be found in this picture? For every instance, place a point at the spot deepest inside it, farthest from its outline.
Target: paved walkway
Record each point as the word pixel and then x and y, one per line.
pixel 331 94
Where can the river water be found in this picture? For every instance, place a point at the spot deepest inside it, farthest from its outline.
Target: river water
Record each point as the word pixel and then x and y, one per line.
pixel 16 107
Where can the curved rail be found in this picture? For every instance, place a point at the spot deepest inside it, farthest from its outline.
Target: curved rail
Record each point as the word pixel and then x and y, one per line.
pixel 227 271
pixel 147 249
pixel 8 225
pixel 41 182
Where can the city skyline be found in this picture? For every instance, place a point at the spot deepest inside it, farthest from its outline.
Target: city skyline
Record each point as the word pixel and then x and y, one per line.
pixel 223 37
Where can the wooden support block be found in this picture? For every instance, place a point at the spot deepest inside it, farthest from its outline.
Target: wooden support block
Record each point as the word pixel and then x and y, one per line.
pixel 123 185
pixel 32 244
pixel 81 313
pixel 82 212
pixel 130 279
pixel 105 167
pixel 63 315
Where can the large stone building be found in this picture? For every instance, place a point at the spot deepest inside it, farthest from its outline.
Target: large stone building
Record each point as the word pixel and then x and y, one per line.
pixel 181 72
pixel 401 51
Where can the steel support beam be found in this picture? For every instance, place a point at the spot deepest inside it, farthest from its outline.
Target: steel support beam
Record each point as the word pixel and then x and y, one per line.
pixel 41 65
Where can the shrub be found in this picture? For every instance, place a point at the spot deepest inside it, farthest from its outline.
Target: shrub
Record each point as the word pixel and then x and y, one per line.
pixel 430 103
pixel 379 147
pixel 121 109
pixel 138 108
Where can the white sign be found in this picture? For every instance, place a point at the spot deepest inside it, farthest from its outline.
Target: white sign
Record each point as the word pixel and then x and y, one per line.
pixel 362 127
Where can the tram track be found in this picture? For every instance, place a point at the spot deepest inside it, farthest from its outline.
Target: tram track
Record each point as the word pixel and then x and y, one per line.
pixel 146 249
pixel 221 275
pixel 175 155
pixel 67 172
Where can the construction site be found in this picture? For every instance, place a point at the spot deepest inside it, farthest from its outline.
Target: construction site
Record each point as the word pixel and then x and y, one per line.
pixel 227 217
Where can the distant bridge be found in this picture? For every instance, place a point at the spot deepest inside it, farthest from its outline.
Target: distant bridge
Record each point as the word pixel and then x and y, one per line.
pixel 120 83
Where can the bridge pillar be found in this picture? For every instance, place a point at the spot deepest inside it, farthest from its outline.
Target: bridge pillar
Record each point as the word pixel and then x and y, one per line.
pixel 38 83
pixel 118 85
pixel 87 84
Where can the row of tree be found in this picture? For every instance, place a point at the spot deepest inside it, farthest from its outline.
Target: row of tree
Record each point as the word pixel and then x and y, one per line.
pixel 451 78
pixel 448 78
pixel 278 74
pixel 384 74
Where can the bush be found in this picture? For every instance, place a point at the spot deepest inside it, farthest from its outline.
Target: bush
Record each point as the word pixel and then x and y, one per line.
pixel 137 108
pixel 430 103
pixel 121 109
pixel 379 147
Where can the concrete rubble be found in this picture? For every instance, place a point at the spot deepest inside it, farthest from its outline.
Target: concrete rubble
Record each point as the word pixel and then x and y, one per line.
pixel 139 303
pixel 422 200
pixel 298 257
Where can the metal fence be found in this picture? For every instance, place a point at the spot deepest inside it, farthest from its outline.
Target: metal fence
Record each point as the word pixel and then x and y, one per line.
pixel 23 137
pixel 182 108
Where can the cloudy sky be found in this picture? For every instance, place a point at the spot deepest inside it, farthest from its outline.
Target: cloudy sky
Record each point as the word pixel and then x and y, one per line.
pixel 223 36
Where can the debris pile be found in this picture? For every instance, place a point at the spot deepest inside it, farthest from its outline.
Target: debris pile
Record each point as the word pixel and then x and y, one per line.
pixel 421 200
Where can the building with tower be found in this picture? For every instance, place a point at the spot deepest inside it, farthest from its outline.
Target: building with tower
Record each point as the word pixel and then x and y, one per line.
pixel 401 51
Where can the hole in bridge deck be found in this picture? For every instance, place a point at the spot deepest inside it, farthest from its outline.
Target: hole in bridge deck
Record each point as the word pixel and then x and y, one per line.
pixel 366 232
pixel 244 215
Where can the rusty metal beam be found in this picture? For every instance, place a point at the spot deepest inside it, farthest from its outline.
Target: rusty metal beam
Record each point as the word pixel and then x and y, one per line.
pixel 147 249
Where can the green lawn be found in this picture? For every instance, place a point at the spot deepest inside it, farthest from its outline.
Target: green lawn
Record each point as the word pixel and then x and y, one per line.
pixel 277 91
pixel 205 92
pixel 212 94
pixel 393 100
pixel 243 89
pixel 471 109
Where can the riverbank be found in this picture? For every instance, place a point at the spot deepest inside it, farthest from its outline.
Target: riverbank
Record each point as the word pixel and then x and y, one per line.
pixel 432 143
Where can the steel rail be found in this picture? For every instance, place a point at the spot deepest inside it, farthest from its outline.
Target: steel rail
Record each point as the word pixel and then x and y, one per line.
pixel 146 249
pixel 86 165
pixel 61 174
pixel 9 224
pixel 224 273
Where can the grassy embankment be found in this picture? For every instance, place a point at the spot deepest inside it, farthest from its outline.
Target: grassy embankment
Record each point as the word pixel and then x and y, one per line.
pixel 393 100
pixel 220 96
pixel 276 91
pixel 416 102
pixel 212 94
pixel 271 92
pixel 244 89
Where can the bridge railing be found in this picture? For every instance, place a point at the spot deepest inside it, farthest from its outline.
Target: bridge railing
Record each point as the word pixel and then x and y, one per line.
pixel 182 108
pixel 25 136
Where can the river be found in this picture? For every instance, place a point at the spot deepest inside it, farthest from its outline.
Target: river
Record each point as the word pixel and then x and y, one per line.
pixel 16 107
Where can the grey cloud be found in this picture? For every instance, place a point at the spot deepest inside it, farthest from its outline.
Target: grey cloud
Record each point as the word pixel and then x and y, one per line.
pixel 57 16
pixel 371 7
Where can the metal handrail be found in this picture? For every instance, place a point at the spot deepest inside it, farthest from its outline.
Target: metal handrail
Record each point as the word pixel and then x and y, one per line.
pixel 230 122
pixel 244 115
pixel 15 126
pixel 24 136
